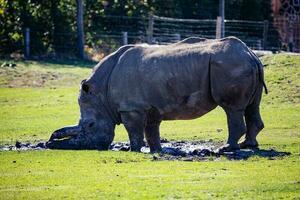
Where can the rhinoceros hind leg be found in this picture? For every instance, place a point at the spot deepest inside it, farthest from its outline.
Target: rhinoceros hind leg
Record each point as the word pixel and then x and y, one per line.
pixel 153 136
pixel 236 128
pixel 253 121
pixel 254 126
pixel 134 123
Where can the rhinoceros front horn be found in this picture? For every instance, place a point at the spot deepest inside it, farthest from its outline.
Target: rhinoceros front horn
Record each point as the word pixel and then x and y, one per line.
pixel 65 138
pixel 65 132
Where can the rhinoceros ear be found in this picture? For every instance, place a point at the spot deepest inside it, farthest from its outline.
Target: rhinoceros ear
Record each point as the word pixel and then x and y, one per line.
pixel 84 86
pixel 83 81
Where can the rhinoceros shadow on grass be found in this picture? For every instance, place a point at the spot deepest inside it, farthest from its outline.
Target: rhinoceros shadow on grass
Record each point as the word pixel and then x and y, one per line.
pixel 140 86
pixel 176 150
pixel 195 150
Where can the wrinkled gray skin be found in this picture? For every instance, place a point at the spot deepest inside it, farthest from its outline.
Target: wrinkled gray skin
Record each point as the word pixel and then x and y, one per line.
pixel 140 86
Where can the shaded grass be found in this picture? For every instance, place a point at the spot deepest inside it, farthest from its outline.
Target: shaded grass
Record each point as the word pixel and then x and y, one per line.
pixel 30 112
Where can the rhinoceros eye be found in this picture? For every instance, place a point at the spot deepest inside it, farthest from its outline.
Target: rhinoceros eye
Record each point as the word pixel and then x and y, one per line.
pixel 91 124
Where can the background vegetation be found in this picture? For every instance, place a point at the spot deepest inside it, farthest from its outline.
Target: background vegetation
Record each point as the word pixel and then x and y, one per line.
pixel 53 22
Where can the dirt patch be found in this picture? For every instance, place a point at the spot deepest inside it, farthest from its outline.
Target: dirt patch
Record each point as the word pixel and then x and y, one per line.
pixel 175 150
pixel 32 78
pixel 19 75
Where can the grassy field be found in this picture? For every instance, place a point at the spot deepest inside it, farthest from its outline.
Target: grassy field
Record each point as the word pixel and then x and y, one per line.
pixel 39 97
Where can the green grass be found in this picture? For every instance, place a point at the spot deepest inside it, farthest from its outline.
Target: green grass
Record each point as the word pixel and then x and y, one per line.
pixel 111 175
pixel 31 109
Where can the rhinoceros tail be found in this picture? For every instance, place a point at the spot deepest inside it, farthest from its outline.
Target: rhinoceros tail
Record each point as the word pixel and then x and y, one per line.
pixel 265 87
pixel 261 75
pixel 260 70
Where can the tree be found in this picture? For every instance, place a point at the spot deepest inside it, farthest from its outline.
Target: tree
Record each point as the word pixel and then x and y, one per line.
pixel 80 29
pixel 55 28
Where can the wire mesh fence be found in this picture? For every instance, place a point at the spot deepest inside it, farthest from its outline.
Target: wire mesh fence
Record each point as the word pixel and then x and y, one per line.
pixel 168 30
pixel 110 32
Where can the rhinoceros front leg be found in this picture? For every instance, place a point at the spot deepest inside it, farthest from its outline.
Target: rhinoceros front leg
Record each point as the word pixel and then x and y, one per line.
pixel 153 136
pixel 236 129
pixel 134 123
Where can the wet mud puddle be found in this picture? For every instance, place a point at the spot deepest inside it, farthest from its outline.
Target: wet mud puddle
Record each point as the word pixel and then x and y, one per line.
pixel 174 150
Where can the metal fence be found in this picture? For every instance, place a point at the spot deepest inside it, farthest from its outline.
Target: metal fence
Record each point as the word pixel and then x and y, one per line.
pixel 256 34
pixel 115 31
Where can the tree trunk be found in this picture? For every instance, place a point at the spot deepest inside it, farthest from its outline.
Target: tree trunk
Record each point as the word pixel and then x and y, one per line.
pixel 55 19
pixel 80 30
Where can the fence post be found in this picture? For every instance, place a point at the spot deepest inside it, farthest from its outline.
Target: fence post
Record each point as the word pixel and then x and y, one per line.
pixel 259 44
pixel 150 29
pixel 290 38
pixel 222 15
pixel 218 27
pixel 27 43
pixel 265 33
pixel 125 38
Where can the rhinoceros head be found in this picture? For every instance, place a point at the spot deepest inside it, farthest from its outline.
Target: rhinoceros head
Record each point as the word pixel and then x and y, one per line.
pixel 95 129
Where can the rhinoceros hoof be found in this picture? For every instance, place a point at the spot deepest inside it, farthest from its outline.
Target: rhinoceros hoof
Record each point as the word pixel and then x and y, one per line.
pixel 247 145
pixel 227 148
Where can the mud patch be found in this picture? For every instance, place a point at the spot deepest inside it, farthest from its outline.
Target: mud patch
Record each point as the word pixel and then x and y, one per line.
pixel 175 150
pixel 200 151
pixel 19 146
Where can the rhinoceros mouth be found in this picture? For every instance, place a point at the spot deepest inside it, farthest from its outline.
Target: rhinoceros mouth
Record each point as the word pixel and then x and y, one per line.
pixel 74 144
